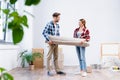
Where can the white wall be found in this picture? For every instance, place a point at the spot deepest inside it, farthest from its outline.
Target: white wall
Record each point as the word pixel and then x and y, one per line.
pixel 102 18
pixel 9 56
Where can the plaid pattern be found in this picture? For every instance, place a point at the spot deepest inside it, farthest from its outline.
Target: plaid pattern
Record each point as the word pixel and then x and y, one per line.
pixel 50 30
pixel 85 34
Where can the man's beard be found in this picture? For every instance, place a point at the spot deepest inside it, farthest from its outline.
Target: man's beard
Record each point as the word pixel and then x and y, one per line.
pixel 57 21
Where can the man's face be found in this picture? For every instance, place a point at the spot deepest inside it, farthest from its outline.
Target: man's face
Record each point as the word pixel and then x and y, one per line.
pixel 56 19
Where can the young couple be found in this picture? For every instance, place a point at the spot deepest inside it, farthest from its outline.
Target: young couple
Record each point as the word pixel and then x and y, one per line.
pixel 52 28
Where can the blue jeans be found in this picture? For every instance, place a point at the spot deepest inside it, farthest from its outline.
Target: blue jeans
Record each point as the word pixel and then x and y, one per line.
pixel 81 57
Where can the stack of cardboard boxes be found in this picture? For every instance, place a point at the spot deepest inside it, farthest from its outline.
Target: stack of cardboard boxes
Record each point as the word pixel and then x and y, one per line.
pixel 60 58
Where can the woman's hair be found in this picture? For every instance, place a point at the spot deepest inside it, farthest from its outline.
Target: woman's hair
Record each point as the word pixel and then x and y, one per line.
pixel 83 22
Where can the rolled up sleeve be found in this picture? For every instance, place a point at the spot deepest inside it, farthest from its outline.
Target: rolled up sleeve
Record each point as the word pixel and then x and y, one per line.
pixel 45 33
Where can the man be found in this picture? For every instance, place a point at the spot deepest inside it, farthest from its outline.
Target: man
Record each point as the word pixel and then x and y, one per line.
pixel 52 28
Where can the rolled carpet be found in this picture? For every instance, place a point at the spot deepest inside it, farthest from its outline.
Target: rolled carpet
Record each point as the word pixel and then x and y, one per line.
pixel 68 41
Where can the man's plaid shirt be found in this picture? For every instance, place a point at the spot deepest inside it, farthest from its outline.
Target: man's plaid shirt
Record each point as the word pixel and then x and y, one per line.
pixel 50 30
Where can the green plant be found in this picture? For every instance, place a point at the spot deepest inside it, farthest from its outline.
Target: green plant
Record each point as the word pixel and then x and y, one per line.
pixel 27 2
pixel 4 75
pixel 22 57
pixel 29 57
pixel 17 22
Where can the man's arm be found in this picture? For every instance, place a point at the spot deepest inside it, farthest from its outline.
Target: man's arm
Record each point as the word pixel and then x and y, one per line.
pixel 45 33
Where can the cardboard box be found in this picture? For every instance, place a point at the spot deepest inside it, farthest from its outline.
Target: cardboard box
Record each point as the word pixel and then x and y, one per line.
pixel 89 69
pixel 61 65
pixel 39 62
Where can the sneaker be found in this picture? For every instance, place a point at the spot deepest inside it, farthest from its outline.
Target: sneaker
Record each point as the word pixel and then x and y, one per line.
pixel 50 73
pixel 61 73
pixel 84 74
pixel 78 73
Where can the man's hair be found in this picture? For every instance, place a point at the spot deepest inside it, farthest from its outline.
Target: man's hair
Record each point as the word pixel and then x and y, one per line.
pixel 56 14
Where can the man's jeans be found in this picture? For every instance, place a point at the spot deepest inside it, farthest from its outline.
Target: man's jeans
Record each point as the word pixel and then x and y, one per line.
pixel 81 57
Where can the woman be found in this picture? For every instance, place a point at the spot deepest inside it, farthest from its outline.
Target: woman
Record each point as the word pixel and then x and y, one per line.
pixel 83 33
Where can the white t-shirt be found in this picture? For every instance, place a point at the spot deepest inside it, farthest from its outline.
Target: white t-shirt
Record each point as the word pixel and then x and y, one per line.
pixel 55 30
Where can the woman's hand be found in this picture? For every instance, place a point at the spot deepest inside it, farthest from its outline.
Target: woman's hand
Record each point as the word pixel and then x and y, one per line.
pixel 83 41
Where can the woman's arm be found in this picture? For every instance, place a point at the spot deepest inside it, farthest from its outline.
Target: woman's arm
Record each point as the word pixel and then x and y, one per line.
pixel 87 33
pixel 75 33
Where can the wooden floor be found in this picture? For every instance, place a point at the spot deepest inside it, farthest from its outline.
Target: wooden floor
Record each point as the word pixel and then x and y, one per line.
pixel 40 74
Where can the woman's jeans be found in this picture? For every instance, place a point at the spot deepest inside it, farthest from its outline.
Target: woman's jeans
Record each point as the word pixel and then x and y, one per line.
pixel 81 57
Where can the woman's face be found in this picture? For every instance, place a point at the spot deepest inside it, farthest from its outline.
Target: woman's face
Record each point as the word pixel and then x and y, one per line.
pixel 80 24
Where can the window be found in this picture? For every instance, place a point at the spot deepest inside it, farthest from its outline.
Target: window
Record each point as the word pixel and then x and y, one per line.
pixel 5 34
pixel 1 23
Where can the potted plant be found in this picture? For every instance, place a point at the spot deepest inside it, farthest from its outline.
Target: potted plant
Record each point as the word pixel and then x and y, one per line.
pixel 29 57
pixel 4 75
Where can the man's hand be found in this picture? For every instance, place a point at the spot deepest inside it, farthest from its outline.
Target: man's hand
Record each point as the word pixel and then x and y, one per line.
pixel 50 42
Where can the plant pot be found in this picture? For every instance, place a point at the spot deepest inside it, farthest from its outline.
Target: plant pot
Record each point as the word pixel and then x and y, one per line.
pixel 32 67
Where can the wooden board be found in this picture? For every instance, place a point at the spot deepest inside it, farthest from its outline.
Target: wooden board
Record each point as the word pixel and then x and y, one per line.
pixel 110 49
pixel 110 54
